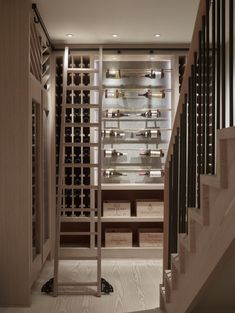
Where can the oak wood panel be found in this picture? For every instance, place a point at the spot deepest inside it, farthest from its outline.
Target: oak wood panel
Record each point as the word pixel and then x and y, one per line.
pixel 15 157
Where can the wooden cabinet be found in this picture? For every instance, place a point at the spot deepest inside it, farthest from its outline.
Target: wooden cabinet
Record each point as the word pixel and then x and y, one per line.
pixel 24 229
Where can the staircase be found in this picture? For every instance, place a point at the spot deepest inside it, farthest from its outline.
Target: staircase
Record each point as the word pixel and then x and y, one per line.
pixel 209 244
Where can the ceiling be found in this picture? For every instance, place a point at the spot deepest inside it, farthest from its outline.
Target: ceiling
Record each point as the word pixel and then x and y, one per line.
pixel 135 21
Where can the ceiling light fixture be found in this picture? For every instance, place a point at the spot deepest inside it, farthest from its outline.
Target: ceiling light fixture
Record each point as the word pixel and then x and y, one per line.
pixel 157 35
pixel 115 35
pixel 69 35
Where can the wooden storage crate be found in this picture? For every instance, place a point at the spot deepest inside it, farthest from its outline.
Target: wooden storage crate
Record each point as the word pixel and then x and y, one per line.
pixel 150 237
pixel 116 208
pixel 148 208
pixel 118 237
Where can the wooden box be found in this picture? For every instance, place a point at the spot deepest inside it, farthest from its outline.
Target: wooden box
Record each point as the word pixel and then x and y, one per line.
pixel 115 237
pixel 150 237
pixel 116 208
pixel 148 208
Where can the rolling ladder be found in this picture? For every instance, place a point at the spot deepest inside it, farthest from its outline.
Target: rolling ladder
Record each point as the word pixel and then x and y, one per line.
pixel 84 135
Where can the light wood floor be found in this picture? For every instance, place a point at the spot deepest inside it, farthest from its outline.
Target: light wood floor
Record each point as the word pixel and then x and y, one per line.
pixel 135 282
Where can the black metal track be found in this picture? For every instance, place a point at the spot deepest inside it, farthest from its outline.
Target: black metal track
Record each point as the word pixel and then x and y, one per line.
pixel 231 62
pixel 218 65
pixel 40 21
pixel 223 67
pixel 213 92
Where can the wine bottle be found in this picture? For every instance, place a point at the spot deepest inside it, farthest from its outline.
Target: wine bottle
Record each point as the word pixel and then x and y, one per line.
pixel 152 173
pixel 113 74
pixel 114 94
pixel 77 117
pixel 149 133
pixel 68 118
pixel 152 153
pixel 117 114
pixel 151 75
pixel 112 153
pixel 150 113
pixel 112 173
pixel 113 133
pixel 149 94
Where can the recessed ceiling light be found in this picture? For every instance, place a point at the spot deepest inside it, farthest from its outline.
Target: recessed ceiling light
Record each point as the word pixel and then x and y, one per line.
pixel 69 35
pixel 157 35
pixel 115 35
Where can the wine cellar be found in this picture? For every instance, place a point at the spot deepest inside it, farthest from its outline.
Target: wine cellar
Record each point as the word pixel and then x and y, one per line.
pixel 117 156
pixel 94 125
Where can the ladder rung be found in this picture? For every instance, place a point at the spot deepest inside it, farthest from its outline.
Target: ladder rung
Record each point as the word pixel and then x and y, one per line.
pixel 80 187
pixel 79 258
pixel 82 87
pixel 82 106
pixel 93 283
pixel 81 144
pixel 82 70
pixel 78 292
pixel 81 124
pixel 80 165
pixel 79 209
pixel 72 219
pixel 78 233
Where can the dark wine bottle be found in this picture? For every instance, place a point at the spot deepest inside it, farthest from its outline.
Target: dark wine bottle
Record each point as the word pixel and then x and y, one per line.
pixel 117 114
pixel 152 153
pixel 113 133
pixel 152 173
pixel 150 113
pixel 149 133
pixel 112 153
pixel 149 94
pixel 112 173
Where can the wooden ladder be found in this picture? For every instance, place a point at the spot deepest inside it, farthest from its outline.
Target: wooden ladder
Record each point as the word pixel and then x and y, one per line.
pixel 94 211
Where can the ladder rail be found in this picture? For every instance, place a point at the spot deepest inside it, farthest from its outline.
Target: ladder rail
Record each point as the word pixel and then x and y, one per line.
pixel 99 194
pixel 60 180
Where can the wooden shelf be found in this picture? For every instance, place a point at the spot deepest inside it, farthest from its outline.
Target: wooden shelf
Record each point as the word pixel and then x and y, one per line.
pixel 137 186
pixel 113 219
pixel 118 253
pixel 131 219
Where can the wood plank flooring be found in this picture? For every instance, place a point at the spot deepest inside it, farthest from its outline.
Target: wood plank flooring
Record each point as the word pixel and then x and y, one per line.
pixel 135 282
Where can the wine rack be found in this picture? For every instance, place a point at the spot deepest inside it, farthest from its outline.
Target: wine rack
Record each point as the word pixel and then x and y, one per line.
pixel 136 121
pixel 136 127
